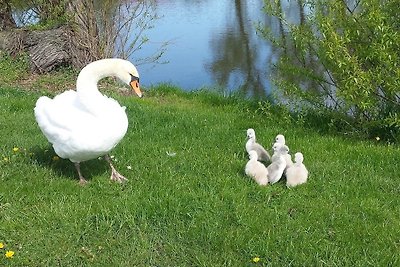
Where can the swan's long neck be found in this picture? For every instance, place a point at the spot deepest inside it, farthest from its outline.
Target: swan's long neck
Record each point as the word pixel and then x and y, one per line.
pixel 92 73
pixel 86 83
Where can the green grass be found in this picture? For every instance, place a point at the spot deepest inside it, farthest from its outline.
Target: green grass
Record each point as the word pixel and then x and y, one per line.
pixel 196 208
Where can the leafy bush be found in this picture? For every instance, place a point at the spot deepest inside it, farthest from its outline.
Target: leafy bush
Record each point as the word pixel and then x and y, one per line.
pixel 341 57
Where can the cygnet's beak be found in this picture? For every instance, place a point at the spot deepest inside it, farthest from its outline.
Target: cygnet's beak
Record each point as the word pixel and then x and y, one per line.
pixel 135 86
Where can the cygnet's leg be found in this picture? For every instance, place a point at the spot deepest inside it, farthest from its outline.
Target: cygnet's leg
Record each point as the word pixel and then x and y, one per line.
pixel 82 180
pixel 115 176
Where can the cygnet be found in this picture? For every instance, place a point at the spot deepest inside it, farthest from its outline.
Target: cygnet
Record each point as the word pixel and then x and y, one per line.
pixel 280 139
pixel 288 158
pixel 256 169
pixel 297 173
pixel 251 144
pixel 278 165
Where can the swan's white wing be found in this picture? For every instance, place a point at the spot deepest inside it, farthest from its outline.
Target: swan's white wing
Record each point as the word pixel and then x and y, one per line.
pixel 58 117
pixel 75 132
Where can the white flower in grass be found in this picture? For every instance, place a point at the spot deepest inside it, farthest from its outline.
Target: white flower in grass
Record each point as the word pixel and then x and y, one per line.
pixel 171 154
pixel 129 167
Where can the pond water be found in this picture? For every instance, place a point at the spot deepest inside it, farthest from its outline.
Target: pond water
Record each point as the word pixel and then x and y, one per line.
pixel 212 43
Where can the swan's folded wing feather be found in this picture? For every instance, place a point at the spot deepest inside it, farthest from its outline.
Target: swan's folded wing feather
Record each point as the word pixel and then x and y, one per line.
pixel 57 118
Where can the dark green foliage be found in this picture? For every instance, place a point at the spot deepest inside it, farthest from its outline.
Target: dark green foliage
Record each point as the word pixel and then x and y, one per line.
pixel 43 14
pixel 342 58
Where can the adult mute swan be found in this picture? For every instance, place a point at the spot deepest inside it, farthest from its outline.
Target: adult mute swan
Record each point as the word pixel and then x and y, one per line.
pixel 85 124
pixel 251 144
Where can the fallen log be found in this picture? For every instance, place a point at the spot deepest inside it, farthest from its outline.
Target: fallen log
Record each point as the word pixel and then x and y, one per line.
pixel 47 49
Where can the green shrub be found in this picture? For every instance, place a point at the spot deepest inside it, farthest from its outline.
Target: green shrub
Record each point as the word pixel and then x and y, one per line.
pixel 342 58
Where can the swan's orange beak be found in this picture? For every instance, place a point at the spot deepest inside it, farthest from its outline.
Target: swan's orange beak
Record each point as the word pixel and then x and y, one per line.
pixel 135 86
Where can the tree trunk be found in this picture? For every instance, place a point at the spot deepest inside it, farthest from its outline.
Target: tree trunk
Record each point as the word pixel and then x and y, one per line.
pixel 84 42
pixel 6 19
pixel 76 44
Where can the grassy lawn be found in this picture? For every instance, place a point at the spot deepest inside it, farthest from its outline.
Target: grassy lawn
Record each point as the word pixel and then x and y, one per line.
pixel 195 208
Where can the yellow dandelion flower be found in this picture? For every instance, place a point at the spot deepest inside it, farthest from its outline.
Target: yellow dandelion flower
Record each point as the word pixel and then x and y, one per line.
pixel 5 159
pixel 16 149
pixel 1 245
pixel 55 158
pixel 9 254
pixel 256 259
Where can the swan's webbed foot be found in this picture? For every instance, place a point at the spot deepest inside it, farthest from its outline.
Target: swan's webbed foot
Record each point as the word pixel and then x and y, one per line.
pixel 82 180
pixel 115 175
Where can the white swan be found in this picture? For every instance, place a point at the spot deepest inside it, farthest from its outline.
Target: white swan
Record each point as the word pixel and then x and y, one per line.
pixel 278 165
pixel 84 124
pixel 297 173
pixel 256 169
pixel 251 144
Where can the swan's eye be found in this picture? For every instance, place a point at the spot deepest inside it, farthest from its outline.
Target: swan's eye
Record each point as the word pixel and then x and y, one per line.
pixel 134 78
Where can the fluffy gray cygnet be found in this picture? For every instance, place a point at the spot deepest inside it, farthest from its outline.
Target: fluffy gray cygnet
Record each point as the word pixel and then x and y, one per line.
pixel 278 165
pixel 251 144
pixel 297 173
pixel 288 158
pixel 256 169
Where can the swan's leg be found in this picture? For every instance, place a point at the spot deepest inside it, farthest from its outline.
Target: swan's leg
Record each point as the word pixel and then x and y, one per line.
pixel 115 176
pixel 82 180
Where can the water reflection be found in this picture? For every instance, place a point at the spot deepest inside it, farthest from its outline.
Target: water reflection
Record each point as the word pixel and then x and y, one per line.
pixel 212 44
pixel 237 61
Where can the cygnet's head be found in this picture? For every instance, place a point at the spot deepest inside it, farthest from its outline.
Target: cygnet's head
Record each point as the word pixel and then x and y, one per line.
pixel 251 134
pixel 253 154
pixel 276 146
pixel 298 157
pixel 284 149
pixel 280 139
